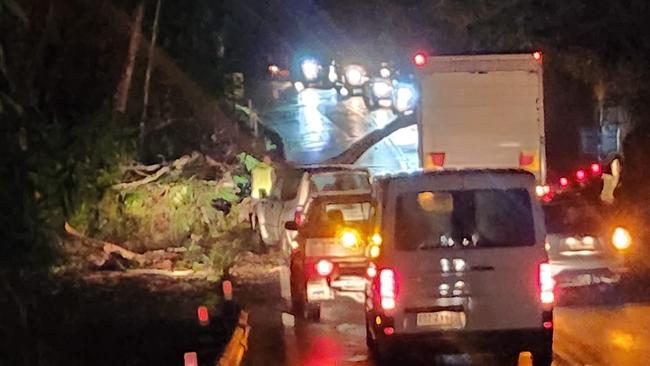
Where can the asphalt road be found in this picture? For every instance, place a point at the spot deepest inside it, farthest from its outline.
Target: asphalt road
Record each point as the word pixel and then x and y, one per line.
pixel 593 329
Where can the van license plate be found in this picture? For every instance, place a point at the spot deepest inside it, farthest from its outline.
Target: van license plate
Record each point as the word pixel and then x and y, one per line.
pixel 441 319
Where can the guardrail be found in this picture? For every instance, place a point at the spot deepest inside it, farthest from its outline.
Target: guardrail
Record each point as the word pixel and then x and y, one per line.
pixel 238 344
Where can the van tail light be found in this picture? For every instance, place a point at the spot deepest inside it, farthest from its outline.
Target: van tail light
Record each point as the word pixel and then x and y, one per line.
pixel 324 267
pixel 546 284
pixel 299 215
pixel 387 288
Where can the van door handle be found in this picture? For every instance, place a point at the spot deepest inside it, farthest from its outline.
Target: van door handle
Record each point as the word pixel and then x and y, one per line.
pixel 481 268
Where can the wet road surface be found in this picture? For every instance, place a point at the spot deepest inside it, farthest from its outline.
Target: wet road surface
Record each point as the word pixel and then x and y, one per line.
pixel 592 332
pixel 315 126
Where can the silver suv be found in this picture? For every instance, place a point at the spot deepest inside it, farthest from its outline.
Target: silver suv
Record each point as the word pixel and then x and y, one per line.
pixel 462 266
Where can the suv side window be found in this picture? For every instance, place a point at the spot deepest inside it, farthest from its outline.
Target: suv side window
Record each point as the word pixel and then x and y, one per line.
pixel 290 185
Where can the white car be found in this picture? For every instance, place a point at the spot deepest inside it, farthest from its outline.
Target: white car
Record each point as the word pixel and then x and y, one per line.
pixel 462 267
pixel 579 245
pixel 291 191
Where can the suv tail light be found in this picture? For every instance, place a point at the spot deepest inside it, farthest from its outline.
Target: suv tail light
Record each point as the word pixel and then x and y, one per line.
pixel 546 284
pixel 298 215
pixel 387 288
pixel 324 267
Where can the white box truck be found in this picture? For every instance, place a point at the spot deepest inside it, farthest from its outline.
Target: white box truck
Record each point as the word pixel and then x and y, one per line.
pixel 483 111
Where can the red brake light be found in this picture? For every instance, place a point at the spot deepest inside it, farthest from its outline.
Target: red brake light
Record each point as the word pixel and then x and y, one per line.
pixel 546 284
pixel 420 59
pixel 537 55
pixel 596 169
pixel 564 182
pixel 581 175
pixel 324 267
pixel 203 314
pixel 299 216
pixel 387 288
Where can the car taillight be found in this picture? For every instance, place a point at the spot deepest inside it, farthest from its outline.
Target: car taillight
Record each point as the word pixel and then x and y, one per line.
pixel 298 215
pixel 596 169
pixel 546 284
pixel 387 288
pixel 324 267
pixel 581 175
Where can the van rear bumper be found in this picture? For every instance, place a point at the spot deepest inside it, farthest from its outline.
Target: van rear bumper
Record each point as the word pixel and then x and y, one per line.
pixel 501 341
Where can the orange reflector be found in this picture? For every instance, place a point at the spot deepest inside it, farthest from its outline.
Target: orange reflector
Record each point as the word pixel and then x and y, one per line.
pixel 203 314
pixel 226 286
pixel 548 325
pixel 190 359
pixel 389 331
pixel 378 320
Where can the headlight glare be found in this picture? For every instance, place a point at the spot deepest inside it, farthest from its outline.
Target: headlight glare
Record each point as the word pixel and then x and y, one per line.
pixel 310 69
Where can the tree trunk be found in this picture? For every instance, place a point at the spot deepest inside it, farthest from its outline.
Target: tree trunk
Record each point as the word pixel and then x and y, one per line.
pixel 147 76
pixel 354 152
pixel 122 93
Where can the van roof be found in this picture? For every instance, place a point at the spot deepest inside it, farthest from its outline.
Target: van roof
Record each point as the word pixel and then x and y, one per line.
pixel 447 172
pixel 327 168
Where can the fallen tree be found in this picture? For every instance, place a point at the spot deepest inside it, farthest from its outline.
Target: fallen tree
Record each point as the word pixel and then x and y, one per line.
pixel 357 149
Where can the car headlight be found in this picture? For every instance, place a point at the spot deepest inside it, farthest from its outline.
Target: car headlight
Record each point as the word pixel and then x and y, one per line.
pixel 621 238
pixel 382 89
pixel 354 75
pixel 384 72
pixel 310 69
pixel 405 98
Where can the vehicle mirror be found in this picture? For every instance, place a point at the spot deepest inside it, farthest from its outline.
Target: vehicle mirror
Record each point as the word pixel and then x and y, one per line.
pixel 262 193
pixel 291 225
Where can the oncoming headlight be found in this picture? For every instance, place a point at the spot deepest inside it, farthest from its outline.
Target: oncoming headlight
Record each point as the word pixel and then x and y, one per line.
pixel 310 69
pixel 384 72
pixel 354 75
pixel 405 98
pixel 382 89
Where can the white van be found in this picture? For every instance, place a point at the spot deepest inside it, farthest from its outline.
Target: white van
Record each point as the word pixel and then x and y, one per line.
pixel 462 267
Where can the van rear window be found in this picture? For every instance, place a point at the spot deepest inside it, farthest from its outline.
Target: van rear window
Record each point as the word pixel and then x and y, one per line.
pixel 464 219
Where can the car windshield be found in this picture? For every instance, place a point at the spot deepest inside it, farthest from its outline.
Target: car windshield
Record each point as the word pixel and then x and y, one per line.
pixel 464 219
pixel 326 216
pixel 571 218
pixel 340 181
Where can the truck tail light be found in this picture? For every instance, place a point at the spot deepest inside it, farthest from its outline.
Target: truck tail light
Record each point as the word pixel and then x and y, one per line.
pixel 437 159
pixel 299 215
pixel 546 284
pixel 324 267
pixel 387 288
pixel 420 59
